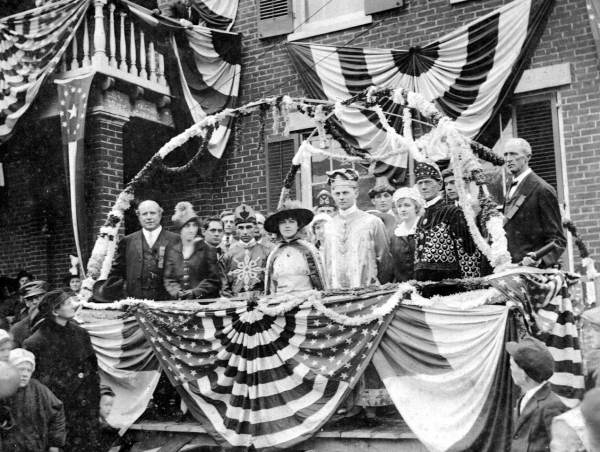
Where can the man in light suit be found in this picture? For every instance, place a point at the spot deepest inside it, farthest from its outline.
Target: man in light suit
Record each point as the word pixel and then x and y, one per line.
pixel 531 211
pixel 139 263
pixel 531 365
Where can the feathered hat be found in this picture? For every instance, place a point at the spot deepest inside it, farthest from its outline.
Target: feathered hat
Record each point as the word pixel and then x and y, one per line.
pixel 184 213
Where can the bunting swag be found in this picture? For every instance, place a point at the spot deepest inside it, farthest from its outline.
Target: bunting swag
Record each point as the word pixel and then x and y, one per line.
pixel 447 372
pixel 543 297
pixel 31 44
pixel 208 64
pixel 219 14
pixel 73 98
pixel 126 364
pixel 463 73
pixel 262 377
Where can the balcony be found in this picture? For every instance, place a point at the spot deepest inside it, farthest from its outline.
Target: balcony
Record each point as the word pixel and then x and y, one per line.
pixel 111 43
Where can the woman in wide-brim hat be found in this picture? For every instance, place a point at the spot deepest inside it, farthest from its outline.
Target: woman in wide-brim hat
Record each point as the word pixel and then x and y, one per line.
pixel 191 269
pixel 294 264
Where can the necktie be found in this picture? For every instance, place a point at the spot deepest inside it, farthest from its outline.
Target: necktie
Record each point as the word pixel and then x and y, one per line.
pixel 513 188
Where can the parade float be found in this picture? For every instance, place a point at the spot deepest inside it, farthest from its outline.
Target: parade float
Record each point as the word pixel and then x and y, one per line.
pixel 269 372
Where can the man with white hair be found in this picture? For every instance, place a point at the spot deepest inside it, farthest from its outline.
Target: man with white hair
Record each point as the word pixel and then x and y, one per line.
pixel 532 222
pixel 139 263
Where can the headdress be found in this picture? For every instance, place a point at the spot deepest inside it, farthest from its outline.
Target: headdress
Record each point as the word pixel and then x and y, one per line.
pixel 184 213
pixel 52 300
pixel 244 214
pixel 382 185
pixel 427 170
pixel 324 199
pixel 290 209
pixel 410 193
pixel 342 176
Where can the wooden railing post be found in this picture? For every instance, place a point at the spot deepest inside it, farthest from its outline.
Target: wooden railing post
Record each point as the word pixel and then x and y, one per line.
pixel 111 35
pixel 99 56
pixel 132 50
pixel 122 44
pixel 86 44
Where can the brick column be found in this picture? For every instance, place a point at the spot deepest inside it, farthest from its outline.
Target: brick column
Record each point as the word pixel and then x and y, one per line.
pixel 104 168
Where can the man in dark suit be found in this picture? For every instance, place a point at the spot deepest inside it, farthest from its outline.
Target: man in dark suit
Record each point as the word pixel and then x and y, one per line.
pixel 531 365
pixel 139 263
pixel 532 215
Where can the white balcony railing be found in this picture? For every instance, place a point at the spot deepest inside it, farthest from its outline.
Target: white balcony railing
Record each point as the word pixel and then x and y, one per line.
pixel 110 42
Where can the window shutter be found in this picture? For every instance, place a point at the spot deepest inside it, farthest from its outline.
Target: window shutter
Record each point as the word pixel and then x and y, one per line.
pixel 280 152
pixel 275 18
pixel 534 124
pixel 377 6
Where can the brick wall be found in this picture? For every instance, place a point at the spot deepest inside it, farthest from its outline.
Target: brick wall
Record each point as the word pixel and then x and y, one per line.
pixel 267 71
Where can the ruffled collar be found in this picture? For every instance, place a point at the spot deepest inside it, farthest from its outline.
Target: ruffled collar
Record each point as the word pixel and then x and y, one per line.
pixel 402 231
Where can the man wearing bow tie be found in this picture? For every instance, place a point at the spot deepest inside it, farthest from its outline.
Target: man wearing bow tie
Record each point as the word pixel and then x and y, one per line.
pixel 532 216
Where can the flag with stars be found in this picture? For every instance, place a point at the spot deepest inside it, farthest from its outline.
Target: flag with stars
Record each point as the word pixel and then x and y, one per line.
pixel 262 381
pixel 73 98
pixel 31 45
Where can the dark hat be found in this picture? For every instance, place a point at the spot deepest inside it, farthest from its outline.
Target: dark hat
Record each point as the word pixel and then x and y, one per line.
pixel 382 185
pixel 324 199
pixel 448 172
pixel 346 175
pixel 108 290
pixel 533 357
pixel 184 213
pixel 24 274
pixel 427 170
pixel 290 209
pixel 34 288
pixel 244 214
pixel 52 300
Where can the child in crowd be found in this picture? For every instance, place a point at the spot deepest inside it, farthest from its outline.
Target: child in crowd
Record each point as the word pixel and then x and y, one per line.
pixel 39 419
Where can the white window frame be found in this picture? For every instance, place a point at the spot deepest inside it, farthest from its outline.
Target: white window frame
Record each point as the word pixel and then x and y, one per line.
pixel 317 28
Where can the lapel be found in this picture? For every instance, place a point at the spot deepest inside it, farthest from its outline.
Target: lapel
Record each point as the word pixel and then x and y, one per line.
pixel 138 243
pixel 514 203
pixel 532 405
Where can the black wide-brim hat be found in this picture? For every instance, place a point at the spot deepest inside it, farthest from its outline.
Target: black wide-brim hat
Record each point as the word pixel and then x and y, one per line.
pixel 290 209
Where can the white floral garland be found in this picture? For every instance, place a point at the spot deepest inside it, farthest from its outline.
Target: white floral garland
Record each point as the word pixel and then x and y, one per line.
pixel 272 306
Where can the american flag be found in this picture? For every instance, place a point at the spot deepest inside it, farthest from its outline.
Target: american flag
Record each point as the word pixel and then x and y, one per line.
pixel 73 99
pixel 31 44
pixel 262 381
pixel 544 294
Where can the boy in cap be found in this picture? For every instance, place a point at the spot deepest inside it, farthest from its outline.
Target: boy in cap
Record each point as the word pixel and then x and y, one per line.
pixel 531 366
pixel 39 420
pixel 244 263
pixel 228 219
pixel 33 292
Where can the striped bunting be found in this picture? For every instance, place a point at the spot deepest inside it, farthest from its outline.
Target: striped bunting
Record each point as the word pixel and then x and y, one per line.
pixel 448 374
pixel 262 382
pixel 463 73
pixel 126 363
pixel 219 14
pixel 544 294
pixel 208 69
pixel 31 44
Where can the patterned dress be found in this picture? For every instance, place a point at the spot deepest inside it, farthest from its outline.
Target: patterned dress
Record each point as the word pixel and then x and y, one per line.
pixel 244 266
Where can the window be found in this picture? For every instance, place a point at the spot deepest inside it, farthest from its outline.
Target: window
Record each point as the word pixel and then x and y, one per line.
pixel 305 18
pixel 313 17
pixel 312 178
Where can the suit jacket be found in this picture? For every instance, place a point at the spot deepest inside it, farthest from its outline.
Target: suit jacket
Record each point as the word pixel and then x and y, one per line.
pixel 199 273
pixel 127 274
pixel 532 220
pixel 532 427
